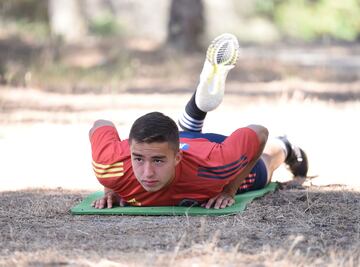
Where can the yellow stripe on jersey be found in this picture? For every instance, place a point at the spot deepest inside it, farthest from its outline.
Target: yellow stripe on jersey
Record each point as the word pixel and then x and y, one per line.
pixel 109 165
pixel 108 170
pixel 109 175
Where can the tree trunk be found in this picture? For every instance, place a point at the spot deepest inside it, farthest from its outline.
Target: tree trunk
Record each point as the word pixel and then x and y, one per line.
pixel 186 24
pixel 67 20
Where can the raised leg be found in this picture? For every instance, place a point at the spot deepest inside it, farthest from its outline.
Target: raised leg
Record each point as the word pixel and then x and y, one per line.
pixel 276 152
pixel 221 57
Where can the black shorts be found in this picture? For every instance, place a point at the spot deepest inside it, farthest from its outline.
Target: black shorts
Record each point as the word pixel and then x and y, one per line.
pixel 256 179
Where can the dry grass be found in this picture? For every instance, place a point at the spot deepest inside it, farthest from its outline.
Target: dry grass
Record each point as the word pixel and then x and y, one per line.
pixel 315 226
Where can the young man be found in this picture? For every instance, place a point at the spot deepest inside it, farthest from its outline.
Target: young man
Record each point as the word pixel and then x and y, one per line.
pixel 155 167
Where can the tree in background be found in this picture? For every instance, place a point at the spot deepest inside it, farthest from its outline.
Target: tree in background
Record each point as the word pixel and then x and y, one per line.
pixel 186 24
pixel 67 20
pixel 181 22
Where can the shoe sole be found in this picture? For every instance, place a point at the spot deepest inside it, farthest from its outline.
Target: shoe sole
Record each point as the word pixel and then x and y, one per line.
pixel 221 56
pixel 223 50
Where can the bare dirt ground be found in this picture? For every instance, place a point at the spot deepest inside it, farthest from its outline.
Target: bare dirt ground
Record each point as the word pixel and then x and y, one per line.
pixel 315 226
pixel 45 160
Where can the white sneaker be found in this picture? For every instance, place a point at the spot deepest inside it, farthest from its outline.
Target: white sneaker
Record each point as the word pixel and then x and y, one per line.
pixel 221 57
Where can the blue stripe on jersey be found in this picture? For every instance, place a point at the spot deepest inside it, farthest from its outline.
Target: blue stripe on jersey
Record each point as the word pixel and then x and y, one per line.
pixel 242 158
pixel 209 172
pixel 219 177
pixel 237 167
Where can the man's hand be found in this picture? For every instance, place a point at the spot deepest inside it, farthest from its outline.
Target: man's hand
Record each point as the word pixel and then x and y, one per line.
pixel 221 201
pixel 109 200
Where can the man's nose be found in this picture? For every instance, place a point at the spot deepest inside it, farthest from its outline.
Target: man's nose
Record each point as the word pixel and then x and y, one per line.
pixel 148 170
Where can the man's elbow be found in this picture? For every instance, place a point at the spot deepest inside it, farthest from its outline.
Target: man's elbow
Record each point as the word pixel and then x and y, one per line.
pixel 98 124
pixel 261 132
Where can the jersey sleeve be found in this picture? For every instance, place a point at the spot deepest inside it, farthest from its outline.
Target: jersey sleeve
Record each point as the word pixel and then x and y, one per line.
pixel 236 151
pixel 242 142
pixel 104 144
pixel 107 154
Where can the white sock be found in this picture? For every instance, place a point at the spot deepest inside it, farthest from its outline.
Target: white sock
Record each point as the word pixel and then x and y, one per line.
pixel 280 143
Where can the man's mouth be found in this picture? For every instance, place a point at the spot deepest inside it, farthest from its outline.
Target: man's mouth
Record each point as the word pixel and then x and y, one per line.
pixel 150 183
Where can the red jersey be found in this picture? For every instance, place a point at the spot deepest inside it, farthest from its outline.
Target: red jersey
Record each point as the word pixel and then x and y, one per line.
pixel 205 168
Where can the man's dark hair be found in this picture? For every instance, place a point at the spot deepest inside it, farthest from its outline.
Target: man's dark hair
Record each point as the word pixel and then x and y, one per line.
pixel 155 127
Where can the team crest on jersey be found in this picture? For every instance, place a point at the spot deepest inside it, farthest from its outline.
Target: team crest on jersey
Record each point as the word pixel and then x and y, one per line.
pixel 184 146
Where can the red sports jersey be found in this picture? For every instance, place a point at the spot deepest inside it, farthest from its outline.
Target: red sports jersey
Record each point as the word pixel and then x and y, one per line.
pixel 202 173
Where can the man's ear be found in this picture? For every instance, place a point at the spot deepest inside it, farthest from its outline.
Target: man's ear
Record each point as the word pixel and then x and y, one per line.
pixel 178 157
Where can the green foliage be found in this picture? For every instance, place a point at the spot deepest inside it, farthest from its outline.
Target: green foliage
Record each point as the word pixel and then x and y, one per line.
pixel 104 25
pixel 37 29
pixel 310 20
pixel 265 8
pixel 63 77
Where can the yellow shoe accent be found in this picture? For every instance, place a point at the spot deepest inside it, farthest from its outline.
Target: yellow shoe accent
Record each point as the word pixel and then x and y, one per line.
pixel 221 56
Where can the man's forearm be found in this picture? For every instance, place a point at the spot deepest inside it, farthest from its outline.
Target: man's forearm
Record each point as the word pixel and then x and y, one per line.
pixel 234 185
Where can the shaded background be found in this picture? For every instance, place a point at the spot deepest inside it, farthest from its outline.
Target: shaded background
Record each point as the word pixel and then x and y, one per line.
pixel 64 64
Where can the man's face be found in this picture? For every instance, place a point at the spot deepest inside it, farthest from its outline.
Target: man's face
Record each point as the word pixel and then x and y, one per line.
pixel 154 164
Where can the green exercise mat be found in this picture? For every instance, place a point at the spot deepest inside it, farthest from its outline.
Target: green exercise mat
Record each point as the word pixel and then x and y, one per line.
pixel 241 201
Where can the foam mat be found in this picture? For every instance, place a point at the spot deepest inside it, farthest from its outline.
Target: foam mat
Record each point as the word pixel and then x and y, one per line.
pixel 241 200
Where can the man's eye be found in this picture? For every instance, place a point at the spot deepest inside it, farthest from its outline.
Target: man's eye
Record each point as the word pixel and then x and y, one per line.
pixel 158 161
pixel 138 159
